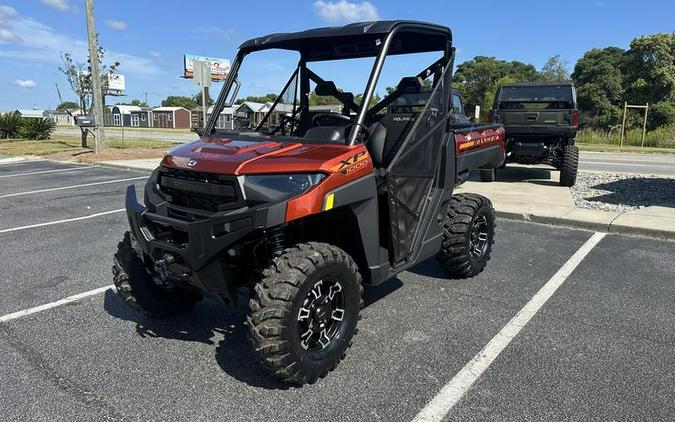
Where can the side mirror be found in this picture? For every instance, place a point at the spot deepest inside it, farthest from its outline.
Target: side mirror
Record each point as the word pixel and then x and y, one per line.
pixel 233 98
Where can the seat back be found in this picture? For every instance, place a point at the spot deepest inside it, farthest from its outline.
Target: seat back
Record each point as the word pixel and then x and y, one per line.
pixel 387 135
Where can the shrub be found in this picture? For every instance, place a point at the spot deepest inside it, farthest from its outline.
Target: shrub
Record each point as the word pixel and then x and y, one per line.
pixel 10 125
pixel 37 129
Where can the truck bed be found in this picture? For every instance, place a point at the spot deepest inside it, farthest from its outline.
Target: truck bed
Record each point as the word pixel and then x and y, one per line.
pixel 478 146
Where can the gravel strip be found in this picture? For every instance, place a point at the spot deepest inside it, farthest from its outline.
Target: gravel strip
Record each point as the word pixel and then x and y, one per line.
pixel 621 191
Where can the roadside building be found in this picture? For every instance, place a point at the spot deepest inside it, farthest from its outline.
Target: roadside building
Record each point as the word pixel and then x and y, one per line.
pixel 249 114
pixel 171 117
pixel 141 118
pixel 64 117
pixel 120 115
pixel 32 113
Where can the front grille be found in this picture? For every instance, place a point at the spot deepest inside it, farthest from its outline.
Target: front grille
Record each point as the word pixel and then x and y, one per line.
pixel 202 191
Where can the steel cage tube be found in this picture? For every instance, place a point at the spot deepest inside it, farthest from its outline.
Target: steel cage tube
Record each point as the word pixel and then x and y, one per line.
pixel 222 97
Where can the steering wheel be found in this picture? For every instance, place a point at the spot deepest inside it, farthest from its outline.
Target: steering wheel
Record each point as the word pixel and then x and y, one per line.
pixel 316 119
pixel 284 120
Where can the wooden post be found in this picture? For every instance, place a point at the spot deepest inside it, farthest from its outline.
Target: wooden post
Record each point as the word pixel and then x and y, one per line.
pixel 644 125
pixel 97 92
pixel 623 125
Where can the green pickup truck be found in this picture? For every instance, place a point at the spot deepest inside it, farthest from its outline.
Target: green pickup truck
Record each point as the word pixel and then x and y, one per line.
pixel 541 121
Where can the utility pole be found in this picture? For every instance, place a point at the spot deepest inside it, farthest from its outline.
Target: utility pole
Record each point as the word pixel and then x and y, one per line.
pixel 95 76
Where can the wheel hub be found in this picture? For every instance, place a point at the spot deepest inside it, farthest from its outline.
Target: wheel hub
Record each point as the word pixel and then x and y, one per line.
pixel 321 314
pixel 478 237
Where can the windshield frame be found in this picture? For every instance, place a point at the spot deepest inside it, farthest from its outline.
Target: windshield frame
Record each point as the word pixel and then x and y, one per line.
pixel 408 28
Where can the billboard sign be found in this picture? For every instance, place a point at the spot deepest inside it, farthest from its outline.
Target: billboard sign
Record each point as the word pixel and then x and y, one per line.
pixel 116 83
pixel 219 66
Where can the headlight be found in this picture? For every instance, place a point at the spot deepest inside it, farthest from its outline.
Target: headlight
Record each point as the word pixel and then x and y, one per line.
pixel 270 187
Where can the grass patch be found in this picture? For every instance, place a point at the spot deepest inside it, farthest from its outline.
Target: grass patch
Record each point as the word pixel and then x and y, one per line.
pixel 66 144
pixel 660 138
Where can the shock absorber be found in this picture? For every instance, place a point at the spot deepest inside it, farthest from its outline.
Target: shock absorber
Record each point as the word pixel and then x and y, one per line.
pixel 276 240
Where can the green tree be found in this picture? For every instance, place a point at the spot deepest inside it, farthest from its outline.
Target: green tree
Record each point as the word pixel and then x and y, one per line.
pixel 476 77
pixel 489 99
pixel 598 77
pixel 661 114
pixel 67 105
pixel 139 103
pixel 258 99
pixel 555 70
pixel 322 100
pixel 650 69
pixel 179 101
pixel 78 75
pixel 198 99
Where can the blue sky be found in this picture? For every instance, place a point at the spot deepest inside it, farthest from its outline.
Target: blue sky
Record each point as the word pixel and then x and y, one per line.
pixel 149 38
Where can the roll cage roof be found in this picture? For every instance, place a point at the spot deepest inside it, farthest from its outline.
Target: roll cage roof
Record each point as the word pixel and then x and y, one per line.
pixel 355 40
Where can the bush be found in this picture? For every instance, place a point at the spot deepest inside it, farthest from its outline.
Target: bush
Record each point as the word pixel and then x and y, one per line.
pixel 37 129
pixel 10 125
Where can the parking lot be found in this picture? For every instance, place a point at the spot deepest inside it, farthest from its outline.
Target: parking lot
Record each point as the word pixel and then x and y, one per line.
pixel 600 347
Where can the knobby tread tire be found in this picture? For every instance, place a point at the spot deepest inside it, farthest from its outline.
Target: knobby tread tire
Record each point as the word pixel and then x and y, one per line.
pixel 488 175
pixel 272 304
pixel 136 287
pixel 455 257
pixel 570 165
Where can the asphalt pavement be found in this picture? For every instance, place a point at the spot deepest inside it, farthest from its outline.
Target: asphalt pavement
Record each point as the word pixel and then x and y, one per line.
pixel 658 164
pixel 599 349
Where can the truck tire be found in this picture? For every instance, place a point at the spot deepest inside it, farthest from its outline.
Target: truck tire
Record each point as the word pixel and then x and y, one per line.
pixel 136 286
pixel 570 165
pixel 468 235
pixel 488 175
pixel 304 312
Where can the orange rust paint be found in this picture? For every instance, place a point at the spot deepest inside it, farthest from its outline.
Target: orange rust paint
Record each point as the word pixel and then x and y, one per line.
pixel 343 169
pixel 478 140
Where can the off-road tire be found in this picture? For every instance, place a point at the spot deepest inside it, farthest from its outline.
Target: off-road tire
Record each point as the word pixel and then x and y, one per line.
pixel 569 166
pixel 465 211
pixel 276 303
pixel 488 175
pixel 135 285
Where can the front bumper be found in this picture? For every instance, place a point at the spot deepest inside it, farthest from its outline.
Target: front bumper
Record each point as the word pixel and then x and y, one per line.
pixel 197 259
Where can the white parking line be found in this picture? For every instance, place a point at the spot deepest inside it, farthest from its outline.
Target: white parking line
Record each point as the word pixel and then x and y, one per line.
pixel 8 161
pixel 68 220
pixel 45 171
pixel 458 386
pixel 72 187
pixel 61 302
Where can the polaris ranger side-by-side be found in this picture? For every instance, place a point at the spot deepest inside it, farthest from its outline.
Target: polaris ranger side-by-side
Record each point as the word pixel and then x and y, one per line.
pixel 305 208
pixel 541 121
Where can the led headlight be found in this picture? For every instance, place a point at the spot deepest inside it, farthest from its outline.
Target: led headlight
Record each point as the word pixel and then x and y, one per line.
pixel 271 187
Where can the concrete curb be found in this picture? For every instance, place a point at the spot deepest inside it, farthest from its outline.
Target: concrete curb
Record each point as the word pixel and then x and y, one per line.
pixel 588 225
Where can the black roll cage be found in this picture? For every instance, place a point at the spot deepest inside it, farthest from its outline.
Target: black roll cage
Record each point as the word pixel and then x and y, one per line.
pixel 306 74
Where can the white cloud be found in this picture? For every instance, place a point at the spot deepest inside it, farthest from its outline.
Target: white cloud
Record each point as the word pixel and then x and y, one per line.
pixel 33 40
pixel 61 5
pixel 345 11
pixel 27 83
pixel 154 54
pixel 6 11
pixel 116 25
pixel 6 36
